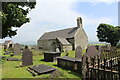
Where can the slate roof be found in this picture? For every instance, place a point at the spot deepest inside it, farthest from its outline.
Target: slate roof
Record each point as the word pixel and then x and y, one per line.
pixel 63 41
pixel 64 33
pixel 6 42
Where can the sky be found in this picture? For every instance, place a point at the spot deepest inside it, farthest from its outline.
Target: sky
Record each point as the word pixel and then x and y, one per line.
pixel 55 15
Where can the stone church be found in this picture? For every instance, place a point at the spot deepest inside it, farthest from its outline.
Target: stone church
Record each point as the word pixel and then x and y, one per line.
pixel 65 39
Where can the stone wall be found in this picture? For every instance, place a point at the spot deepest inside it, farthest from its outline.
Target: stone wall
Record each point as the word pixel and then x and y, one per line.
pixel 46 45
pixel 51 45
pixel 81 39
pixel 71 41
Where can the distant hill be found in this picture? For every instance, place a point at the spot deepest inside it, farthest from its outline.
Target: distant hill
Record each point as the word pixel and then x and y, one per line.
pixel 97 42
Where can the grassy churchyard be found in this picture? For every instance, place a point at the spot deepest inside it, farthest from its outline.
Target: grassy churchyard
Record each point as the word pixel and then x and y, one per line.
pixel 12 69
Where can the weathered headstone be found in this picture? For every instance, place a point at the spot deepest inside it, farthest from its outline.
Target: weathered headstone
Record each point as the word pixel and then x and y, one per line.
pixel 57 50
pixel 78 52
pixel 27 58
pixel 91 52
pixel 17 49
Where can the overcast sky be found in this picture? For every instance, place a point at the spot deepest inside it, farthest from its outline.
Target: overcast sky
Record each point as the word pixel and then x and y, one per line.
pixel 51 15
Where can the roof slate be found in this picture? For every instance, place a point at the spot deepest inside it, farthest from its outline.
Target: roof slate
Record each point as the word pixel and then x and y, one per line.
pixel 64 33
pixel 63 41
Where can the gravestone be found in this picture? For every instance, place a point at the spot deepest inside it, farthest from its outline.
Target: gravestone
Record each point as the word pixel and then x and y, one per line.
pixel 17 49
pixel 91 52
pixel 40 69
pixel 57 50
pixel 78 52
pixel 27 58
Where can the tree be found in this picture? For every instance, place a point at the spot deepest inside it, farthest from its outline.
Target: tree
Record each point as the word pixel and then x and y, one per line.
pixel 108 33
pixel 14 15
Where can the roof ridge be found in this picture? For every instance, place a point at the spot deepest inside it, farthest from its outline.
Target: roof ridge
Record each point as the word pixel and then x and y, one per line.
pixel 60 30
pixel 63 33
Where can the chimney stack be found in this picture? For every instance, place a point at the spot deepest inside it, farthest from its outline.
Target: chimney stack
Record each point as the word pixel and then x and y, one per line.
pixel 79 22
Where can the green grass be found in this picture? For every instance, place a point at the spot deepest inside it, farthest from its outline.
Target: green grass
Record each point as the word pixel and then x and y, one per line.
pixel 12 69
pixel 72 53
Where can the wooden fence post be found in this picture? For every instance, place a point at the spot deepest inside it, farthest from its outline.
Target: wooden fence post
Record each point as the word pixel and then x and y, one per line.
pixel 92 69
pixel 119 67
pixel 111 68
pixel 111 62
pixel 104 64
pixel 87 66
pixel 104 74
pixel 98 59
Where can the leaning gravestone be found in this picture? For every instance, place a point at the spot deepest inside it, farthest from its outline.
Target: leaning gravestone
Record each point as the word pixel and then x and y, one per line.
pixel 78 52
pixel 91 52
pixel 17 49
pixel 27 58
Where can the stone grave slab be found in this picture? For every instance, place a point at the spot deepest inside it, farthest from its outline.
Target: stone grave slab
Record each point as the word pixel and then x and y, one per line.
pixel 41 69
pixel 6 53
pixel 17 49
pixel 13 59
pixel 78 52
pixel 27 58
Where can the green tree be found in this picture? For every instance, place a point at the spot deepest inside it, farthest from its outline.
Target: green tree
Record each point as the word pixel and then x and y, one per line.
pixel 108 33
pixel 14 15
